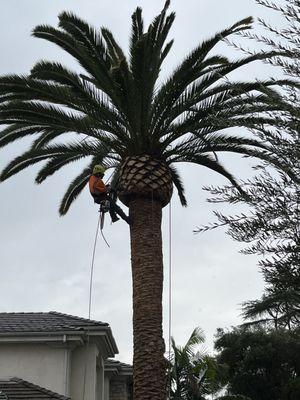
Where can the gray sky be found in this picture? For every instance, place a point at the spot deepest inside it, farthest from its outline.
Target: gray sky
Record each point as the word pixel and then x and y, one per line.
pixel 45 260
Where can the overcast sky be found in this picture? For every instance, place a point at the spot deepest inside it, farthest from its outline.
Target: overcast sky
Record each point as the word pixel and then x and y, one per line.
pixel 45 259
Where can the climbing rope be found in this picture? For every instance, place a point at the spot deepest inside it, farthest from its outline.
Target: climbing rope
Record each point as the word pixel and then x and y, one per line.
pixel 90 305
pixel 90 297
pixel 170 296
pixel 92 266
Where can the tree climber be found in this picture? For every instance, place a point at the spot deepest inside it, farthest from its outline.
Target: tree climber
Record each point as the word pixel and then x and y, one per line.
pixel 105 195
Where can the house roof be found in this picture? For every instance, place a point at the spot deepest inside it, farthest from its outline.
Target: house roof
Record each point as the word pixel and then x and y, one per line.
pixel 118 367
pixel 18 389
pixel 22 323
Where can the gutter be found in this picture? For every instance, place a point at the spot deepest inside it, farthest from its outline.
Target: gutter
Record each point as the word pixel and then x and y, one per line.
pixel 58 335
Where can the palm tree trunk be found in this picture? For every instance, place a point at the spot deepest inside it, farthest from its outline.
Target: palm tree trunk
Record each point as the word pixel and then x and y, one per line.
pixel 149 365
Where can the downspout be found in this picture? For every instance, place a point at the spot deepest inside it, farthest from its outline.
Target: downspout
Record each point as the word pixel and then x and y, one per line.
pixel 66 368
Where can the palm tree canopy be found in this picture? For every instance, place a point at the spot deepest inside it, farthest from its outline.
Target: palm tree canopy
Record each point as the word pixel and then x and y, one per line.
pixel 118 109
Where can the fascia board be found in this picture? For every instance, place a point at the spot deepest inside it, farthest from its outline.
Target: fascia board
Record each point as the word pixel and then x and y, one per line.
pixel 40 338
pixel 105 333
pixel 110 342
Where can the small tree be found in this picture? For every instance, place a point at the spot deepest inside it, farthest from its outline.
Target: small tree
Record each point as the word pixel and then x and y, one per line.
pixel 193 374
pixel 272 226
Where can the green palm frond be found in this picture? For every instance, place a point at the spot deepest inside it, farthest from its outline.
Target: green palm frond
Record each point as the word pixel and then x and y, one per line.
pixel 189 71
pixel 18 131
pixel 212 143
pixel 117 108
pixel 54 165
pixel 94 63
pixel 179 185
pixel 75 152
pixel 196 338
pixel 45 138
pixel 74 189
pixel 207 161
pixel 31 157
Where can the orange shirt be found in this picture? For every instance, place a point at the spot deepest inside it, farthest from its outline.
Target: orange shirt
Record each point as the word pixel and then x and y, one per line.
pixel 96 185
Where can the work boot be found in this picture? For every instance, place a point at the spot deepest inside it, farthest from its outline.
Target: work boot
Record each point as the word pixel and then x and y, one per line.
pixel 128 220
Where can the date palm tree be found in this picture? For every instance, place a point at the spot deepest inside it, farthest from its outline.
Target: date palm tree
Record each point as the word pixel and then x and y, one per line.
pixel 117 113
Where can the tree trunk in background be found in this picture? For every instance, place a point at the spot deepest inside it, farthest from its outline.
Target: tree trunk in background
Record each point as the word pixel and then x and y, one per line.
pixel 149 365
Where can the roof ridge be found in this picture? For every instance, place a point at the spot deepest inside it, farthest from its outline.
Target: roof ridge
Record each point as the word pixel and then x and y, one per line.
pixel 76 317
pixel 24 312
pixel 39 388
pixel 55 313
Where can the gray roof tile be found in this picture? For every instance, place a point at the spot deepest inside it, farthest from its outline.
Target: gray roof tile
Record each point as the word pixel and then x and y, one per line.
pixel 18 389
pixel 22 323
pixel 117 363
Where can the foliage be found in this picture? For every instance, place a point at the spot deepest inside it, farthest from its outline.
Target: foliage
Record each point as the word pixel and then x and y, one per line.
pixel 271 230
pixel 115 108
pixel 261 365
pixel 193 374
pixel 285 38
pixel 271 227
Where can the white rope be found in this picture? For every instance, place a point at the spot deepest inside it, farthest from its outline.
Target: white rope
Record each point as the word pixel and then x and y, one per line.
pixel 170 294
pixel 92 266
pixel 90 305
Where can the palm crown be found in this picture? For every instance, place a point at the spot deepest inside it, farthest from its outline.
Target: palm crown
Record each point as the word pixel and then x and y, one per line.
pixel 121 109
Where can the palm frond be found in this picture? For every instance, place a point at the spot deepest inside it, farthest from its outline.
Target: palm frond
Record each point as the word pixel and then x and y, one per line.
pixel 240 92
pixel 207 161
pixel 74 189
pixel 94 64
pixel 146 55
pixel 34 156
pixel 17 131
pixel 178 184
pixel 196 338
pixel 58 161
pixel 189 71
pixel 137 27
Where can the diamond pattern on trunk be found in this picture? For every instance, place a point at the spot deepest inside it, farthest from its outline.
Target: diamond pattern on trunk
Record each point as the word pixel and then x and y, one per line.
pixel 144 176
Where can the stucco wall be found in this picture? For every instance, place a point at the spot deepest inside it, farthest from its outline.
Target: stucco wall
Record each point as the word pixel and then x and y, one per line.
pixel 83 373
pixel 106 387
pixel 69 371
pixel 37 363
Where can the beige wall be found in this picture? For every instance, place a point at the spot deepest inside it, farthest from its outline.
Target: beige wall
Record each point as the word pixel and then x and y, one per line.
pixel 37 363
pixel 58 368
pixel 106 387
pixel 83 373
pixel 100 393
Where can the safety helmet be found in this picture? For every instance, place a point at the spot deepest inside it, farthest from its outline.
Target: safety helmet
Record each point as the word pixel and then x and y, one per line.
pixel 99 169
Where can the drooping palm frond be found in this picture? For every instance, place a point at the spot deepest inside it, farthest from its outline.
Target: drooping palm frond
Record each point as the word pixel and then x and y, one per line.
pixel 74 189
pixel 178 184
pixel 117 109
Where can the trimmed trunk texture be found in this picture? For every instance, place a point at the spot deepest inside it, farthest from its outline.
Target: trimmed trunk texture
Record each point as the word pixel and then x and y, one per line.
pixel 149 364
